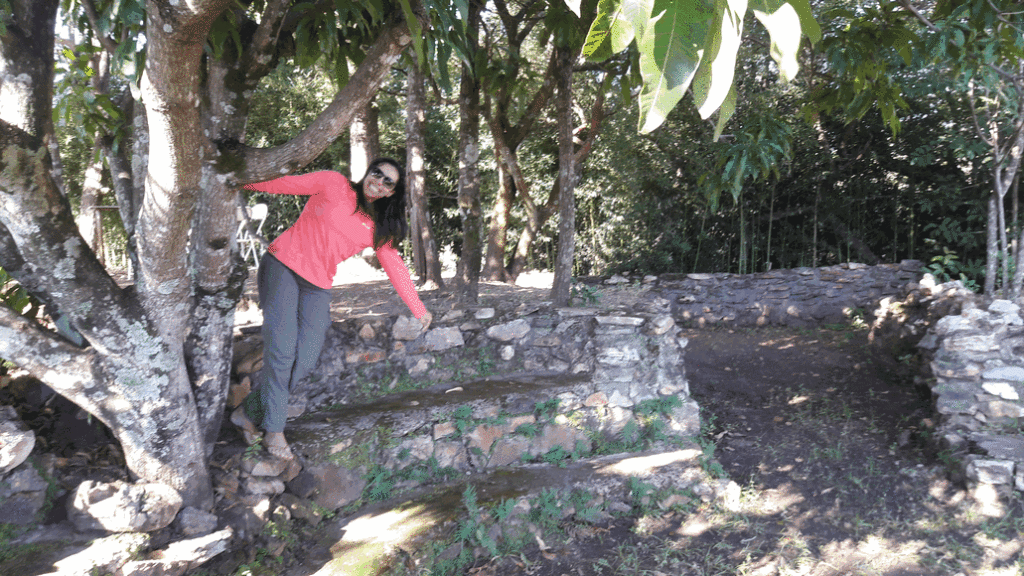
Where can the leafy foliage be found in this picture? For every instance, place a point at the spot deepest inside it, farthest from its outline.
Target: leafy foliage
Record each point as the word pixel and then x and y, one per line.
pixel 685 41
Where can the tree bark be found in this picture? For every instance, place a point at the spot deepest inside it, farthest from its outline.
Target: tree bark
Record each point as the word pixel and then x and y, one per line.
pixel 92 189
pixel 561 289
pixel 991 245
pixel 497 230
pixel 152 362
pixel 424 248
pixel 364 141
pixel 468 274
pixel 260 164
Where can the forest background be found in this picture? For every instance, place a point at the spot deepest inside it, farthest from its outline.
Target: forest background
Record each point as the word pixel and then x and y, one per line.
pixel 880 149
pixel 531 142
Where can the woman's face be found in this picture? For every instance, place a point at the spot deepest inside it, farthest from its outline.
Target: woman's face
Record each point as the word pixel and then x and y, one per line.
pixel 380 182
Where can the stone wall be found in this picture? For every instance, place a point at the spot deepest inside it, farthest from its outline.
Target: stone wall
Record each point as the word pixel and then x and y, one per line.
pixel 977 366
pixel 635 354
pixel 482 389
pixel 797 297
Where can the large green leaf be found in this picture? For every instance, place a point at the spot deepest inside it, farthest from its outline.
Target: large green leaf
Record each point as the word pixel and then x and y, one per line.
pixel 718 66
pixel 670 52
pixel 617 23
pixel 725 112
pixel 785 21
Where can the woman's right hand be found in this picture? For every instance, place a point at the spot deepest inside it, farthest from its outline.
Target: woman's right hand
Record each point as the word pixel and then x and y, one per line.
pixel 425 320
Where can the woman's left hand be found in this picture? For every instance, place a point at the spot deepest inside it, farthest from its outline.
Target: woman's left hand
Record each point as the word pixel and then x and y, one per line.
pixel 425 320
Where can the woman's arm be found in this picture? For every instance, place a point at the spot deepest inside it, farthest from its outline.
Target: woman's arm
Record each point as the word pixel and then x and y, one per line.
pixel 395 268
pixel 299 184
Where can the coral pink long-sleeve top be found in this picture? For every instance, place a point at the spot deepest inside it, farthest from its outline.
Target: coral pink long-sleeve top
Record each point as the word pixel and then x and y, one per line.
pixel 331 230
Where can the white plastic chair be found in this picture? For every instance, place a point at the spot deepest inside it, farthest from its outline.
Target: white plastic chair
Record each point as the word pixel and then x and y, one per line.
pixel 251 242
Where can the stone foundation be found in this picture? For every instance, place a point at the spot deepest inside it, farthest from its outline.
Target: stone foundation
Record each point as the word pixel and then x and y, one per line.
pixel 572 384
pixel 977 365
pixel 797 297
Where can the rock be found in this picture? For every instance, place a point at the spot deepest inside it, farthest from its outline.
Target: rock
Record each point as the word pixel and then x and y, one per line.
pixel 336 486
pixel 661 324
pixel 264 466
pixel 26 479
pixel 103 556
pixel 180 557
pixel 406 328
pixel 301 508
pixel 16 440
pixel 484 314
pixel 123 507
pixel 263 486
pixel 195 522
pixel 367 332
pixel 22 508
pixel 442 429
pixel 509 331
pixel 303 485
pixel 483 436
pixel 1002 389
pixel 238 392
pixel 1003 307
pixel 364 356
pixel 444 338
pixel 1010 373
pixel 990 471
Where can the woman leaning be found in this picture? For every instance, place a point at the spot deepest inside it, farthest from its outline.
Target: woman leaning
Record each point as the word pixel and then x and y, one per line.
pixel 340 219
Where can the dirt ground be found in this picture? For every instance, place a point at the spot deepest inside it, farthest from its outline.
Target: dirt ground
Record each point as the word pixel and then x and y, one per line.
pixel 827 436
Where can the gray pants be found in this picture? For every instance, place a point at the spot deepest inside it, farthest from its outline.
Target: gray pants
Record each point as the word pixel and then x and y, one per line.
pixel 296 315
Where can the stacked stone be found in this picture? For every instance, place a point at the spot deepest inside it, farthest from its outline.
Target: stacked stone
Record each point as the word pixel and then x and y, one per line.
pixel 978 366
pixel 796 297
pixel 587 370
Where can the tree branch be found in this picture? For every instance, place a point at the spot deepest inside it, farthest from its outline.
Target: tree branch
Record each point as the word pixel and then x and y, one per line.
pixel 90 12
pixel 42 249
pixel 917 14
pixel 46 355
pixel 266 163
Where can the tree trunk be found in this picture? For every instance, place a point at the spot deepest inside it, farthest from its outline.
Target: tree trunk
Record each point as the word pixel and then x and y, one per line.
pixel 151 362
pixel 468 275
pixel 992 245
pixel 561 289
pixel 424 248
pixel 92 188
pixel 497 231
pixel 364 140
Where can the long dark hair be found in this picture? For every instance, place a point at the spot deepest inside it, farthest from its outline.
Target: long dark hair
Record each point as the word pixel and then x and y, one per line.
pixel 388 214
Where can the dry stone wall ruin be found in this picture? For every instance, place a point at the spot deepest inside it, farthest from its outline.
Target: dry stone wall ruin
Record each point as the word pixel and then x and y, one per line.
pixel 976 353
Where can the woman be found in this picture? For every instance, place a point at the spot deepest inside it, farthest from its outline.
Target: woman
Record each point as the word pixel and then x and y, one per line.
pixel 339 220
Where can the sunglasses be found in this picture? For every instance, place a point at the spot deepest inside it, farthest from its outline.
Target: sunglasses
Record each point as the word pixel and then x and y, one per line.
pixel 387 181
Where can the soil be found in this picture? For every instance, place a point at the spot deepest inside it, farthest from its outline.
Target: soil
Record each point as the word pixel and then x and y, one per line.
pixel 826 434
pixel 829 437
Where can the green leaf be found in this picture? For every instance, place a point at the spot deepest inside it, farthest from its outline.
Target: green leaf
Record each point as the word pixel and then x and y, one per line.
pixel 808 25
pixel 725 112
pixel 717 68
pixel 784 26
pixel 617 24
pixel 670 52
